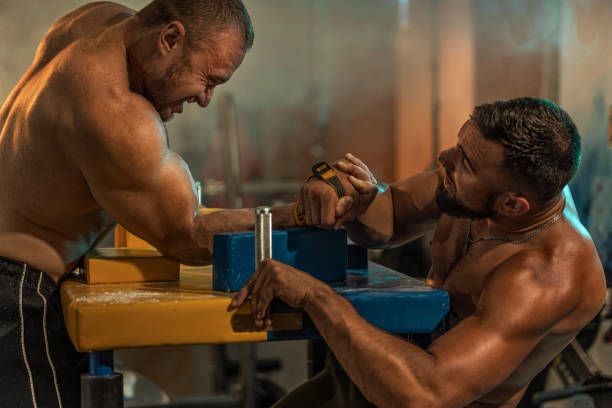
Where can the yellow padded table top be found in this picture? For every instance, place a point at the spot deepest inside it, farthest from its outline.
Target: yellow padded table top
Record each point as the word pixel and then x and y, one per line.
pixel 110 316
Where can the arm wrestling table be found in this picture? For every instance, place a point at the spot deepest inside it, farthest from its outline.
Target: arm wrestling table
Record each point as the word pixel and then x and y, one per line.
pixel 100 318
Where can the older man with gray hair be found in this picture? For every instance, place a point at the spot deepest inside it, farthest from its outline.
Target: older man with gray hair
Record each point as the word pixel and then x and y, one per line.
pixel 83 146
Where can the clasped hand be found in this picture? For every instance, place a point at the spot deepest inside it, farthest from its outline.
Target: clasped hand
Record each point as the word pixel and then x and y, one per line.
pixel 322 207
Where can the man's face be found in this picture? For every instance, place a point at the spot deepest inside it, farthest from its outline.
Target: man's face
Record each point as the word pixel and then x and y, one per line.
pixel 472 175
pixel 192 75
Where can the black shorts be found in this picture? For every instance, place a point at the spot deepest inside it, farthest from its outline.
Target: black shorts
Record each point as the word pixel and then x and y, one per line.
pixel 39 366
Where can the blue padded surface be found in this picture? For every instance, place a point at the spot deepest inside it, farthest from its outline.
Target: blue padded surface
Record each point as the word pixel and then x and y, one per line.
pixel 387 299
pixel 322 253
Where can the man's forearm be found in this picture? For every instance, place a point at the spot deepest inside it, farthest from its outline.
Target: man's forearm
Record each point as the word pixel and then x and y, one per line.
pixel 389 371
pixel 196 248
pixel 282 216
pixel 374 228
pixel 404 212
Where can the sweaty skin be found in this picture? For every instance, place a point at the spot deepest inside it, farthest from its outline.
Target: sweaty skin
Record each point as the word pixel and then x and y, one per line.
pixel 513 306
pixel 82 146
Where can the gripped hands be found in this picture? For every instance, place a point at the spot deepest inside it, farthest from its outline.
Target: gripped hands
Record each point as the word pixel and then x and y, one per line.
pixel 320 203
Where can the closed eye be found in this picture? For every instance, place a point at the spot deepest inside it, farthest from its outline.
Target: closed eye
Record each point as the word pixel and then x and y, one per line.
pixel 217 80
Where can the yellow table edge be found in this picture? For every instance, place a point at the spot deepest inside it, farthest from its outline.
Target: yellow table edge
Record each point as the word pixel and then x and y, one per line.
pixel 94 326
pixel 198 318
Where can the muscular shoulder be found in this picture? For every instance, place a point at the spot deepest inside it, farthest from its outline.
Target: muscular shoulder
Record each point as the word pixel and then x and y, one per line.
pixel 85 22
pixel 111 125
pixel 126 128
pixel 559 287
pixel 101 12
pixel 577 262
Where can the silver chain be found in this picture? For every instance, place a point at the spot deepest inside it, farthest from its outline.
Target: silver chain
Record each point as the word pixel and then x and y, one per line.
pixel 469 241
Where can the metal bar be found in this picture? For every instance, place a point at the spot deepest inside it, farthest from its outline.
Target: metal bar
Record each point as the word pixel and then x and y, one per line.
pixel 580 363
pixel 552 395
pixel 263 250
pixel 263 234
pixel 199 192
pixel 249 378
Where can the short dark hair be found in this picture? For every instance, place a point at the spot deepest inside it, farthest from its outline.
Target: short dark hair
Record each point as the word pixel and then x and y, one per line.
pixel 201 17
pixel 540 140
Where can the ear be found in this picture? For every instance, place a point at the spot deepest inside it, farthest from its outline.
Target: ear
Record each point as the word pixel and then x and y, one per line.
pixel 512 204
pixel 171 37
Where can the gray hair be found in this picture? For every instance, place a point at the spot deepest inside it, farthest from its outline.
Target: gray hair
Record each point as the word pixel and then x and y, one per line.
pixel 201 17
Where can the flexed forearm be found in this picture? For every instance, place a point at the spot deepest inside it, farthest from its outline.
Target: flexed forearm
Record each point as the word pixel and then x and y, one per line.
pixel 390 215
pixel 405 211
pixel 374 228
pixel 195 244
pixel 388 371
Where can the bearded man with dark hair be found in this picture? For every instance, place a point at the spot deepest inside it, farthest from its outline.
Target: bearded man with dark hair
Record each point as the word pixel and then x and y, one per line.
pixel 541 150
pixel 540 140
pixel 521 271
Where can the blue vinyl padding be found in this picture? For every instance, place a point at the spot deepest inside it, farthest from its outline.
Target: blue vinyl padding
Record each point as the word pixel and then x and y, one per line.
pixel 322 253
pixel 387 299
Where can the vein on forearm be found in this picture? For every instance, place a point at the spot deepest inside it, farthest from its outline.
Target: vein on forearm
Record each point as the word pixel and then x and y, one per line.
pixel 384 367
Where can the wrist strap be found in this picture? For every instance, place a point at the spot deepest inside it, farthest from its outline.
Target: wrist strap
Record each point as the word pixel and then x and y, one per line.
pixel 325 172
pixel 300 219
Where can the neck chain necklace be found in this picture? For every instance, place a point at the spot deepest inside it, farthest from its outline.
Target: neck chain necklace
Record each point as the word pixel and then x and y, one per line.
pixel 469 241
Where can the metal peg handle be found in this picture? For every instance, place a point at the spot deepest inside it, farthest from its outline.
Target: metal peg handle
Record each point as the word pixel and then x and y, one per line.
pixel 263 234
pixel 199 192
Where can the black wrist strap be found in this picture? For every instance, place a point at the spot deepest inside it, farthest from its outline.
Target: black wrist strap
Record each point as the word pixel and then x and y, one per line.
pixel 325 172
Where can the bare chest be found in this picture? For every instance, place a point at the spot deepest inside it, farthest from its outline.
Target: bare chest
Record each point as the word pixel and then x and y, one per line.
pixel 461 269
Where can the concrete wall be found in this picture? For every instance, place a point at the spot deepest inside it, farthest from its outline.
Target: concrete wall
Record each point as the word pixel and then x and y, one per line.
pixel 435 80
pixel 586 83
pixel 586 93
pixel 454 54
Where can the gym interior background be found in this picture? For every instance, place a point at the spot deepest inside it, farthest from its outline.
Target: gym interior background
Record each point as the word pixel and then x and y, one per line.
pixel 390 81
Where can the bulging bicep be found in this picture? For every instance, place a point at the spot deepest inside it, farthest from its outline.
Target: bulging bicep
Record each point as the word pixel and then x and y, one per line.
pixel 133 175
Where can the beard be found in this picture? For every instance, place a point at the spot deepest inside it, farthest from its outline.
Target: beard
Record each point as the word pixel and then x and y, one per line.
pixel 455 208
pixel 158 92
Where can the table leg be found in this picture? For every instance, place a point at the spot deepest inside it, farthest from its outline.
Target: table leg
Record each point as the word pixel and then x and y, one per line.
pixel 101 387
pixel 249 378
pixel 317 355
